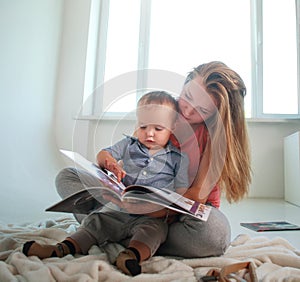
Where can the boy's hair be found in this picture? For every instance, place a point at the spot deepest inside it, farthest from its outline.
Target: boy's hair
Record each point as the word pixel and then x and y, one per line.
pixel 159 98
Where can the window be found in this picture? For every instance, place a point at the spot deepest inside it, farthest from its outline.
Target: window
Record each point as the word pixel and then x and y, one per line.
pixel 275 50
pixel 256 38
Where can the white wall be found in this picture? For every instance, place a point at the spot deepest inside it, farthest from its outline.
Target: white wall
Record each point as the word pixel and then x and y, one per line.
pixel 267 143
pixel 30 34
pixel 70 83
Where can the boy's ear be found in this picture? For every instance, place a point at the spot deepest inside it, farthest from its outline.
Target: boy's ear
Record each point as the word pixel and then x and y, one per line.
pixel 134 132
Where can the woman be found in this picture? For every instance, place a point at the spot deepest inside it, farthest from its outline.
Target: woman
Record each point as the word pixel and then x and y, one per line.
pixel 213 133
pixel 212 102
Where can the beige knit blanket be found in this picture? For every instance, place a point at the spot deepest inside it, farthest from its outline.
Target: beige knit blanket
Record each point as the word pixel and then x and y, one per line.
pixel 275 259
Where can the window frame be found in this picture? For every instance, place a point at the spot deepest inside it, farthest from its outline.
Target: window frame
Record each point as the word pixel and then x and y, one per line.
pixel 95 66
pixel 257 62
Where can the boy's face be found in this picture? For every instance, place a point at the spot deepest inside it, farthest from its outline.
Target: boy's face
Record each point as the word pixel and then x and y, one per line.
pixel 155 125
pixel 153 136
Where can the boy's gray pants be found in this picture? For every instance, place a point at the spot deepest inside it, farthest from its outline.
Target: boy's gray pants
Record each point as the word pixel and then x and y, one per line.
pixel 188 237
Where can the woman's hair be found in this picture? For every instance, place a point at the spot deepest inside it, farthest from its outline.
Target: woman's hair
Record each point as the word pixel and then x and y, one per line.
pixel 229 90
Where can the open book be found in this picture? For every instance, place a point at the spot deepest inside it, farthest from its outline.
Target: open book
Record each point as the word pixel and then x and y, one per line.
pixel 91 199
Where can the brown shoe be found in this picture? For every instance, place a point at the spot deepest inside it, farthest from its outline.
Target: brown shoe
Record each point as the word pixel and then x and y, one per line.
pixel 31 248
pixel 128 262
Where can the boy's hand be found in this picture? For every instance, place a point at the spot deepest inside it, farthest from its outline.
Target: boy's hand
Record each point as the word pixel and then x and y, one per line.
pixel 114 167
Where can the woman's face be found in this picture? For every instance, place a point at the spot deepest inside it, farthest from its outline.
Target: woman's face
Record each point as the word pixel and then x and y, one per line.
pixel 195 104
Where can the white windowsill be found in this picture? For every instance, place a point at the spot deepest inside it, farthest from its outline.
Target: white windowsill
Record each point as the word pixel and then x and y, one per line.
pixel 106 117
pixel 132 117
pixel 273 120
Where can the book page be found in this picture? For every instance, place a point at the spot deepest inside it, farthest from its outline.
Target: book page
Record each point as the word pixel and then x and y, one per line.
pixel 107 179
pixel 169 199
pixel 167 195
pixel 82 202
pixel 163 197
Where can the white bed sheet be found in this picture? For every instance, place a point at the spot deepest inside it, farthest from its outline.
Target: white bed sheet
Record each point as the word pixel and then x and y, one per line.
pixel 275 259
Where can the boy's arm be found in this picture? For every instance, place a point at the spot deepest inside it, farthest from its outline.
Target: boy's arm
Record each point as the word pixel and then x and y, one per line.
pixel 181 180
pixel 107 161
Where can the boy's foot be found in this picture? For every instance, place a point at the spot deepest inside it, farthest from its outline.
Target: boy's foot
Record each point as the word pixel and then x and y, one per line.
pixel 31 248
pixel 128 262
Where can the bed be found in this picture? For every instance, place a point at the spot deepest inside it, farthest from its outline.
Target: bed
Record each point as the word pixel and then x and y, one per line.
pixel 275 259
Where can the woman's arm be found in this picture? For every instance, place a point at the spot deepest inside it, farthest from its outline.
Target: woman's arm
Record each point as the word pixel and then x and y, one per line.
pixel 204 181
pixel 193 194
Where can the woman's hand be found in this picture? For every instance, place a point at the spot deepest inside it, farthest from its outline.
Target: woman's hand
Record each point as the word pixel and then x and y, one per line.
pixel 193 194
